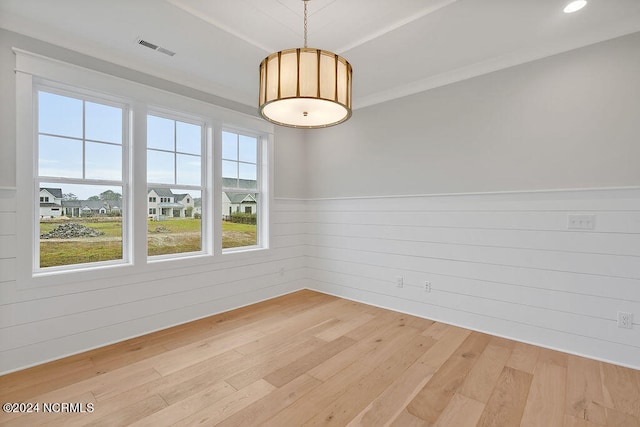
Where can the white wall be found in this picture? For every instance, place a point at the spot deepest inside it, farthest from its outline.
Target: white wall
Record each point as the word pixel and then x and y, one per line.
pixel 504 263
pixel 43 323
pixel 290 158
pixel 567 121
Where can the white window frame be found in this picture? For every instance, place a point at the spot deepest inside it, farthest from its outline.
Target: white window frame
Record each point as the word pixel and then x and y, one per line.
pixel 33 68
pixel 206 235
pixel 84 96
pixel 262 206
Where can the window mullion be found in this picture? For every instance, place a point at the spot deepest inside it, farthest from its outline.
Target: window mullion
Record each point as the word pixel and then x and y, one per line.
pixel 138 182
pixel 215 195
pixel 175 152
pixel 84 139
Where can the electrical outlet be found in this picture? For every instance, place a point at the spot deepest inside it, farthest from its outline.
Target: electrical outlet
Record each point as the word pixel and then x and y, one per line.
pixel 399 281
pixel 427 286
pixel 625 320
pixel 581 222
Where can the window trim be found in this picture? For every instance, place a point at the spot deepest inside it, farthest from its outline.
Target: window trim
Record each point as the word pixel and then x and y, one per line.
pixel 85 96
pixel 263 186
pixel 32 68
pixel 206 226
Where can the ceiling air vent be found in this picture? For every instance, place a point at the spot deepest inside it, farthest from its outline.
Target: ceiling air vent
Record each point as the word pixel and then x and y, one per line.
pixel 155 47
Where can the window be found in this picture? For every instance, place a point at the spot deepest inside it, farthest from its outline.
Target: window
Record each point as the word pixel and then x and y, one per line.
pixel 96 207
pixel 174 175
pixel 240 190
pixel 80 176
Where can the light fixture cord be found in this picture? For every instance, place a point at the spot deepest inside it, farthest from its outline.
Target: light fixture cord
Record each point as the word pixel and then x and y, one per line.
pixel 305 23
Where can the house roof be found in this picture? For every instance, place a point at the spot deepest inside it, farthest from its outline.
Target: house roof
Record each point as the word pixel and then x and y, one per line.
pixel 94 205
pixel 55 192
pixel 91 204
pixel 240 197
pixel 165 192
pixel 244 184
pixel 162 192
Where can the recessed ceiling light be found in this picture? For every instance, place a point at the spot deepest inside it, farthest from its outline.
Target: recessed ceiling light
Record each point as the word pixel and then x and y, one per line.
pixel 575 6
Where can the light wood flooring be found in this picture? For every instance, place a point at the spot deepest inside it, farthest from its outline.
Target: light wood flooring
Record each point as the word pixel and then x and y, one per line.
pixel 313 359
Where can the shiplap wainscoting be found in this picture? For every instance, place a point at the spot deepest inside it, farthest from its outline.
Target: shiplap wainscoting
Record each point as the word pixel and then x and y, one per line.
pixel 7 237
pixel 45 323
pixel 502 263
pixel 505 264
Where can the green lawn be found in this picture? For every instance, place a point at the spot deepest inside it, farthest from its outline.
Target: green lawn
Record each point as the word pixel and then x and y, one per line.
pixel 73 252
pixel 174 235
pixel 82 250
pixel 176 225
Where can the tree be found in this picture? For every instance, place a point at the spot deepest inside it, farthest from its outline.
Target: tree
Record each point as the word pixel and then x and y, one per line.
pixel 94 198
pixel 111 196
pixel 69 196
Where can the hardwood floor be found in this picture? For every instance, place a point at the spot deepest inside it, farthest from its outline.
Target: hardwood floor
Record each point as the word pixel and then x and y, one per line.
pixel 313 359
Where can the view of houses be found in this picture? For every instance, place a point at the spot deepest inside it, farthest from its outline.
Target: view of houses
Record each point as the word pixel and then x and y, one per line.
pixel 53 204
pixel 162 203
pixel 238 202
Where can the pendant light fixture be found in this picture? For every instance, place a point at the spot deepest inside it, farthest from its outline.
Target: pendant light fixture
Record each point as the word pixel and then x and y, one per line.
pixel 305 87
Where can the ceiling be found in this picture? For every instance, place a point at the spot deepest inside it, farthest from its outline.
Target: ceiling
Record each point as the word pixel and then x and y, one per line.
pixel 396 47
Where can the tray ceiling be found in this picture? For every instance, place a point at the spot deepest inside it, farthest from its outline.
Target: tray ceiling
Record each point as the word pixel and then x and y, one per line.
pixel 396 47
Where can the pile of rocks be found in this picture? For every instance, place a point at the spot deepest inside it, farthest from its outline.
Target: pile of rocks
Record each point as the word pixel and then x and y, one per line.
pixel 71 230
pixel 161 230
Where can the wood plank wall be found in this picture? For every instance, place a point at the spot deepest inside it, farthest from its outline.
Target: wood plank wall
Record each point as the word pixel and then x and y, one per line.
pixel 498 263
pixel 45 323
pixel 504 263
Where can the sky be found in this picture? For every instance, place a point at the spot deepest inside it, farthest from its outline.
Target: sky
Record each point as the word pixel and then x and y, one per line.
pixel 83 140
